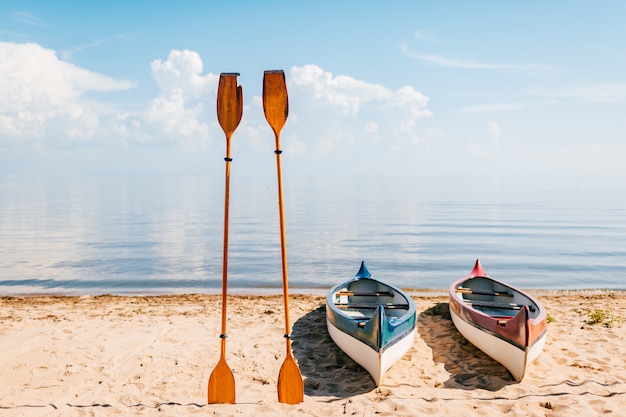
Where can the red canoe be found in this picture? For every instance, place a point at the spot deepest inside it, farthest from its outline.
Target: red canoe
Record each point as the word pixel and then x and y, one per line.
pixel 502 321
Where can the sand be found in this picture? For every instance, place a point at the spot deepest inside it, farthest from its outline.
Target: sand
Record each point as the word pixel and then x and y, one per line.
pixel 120 356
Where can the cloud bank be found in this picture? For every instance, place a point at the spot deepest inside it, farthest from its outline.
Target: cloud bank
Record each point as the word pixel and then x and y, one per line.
pixel 44 99
pixel 53 110
pixel 48 103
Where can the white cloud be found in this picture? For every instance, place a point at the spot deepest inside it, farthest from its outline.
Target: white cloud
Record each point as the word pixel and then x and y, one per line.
pixel 344 93
pixel 496 134
pixel 490 108
pixel 421 35
pixel 295 147
pixel 27 18
pixel 178 115
pixel 608 93
pixel 69 53
pixel 583 158
pixel 488 147
pixel 43 98
pixel 180 76
pixel 44 104
pixel 471 64
pixel 341 111
pixel 177 111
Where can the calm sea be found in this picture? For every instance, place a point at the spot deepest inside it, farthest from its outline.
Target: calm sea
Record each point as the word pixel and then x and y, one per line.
pixel 164 234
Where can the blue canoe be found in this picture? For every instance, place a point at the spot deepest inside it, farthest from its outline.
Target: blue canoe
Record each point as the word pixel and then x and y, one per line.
pixel 372 322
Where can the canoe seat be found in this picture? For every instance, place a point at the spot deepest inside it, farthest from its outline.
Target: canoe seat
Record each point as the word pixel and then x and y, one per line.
pixel 464 290
pixel 372 306
pixel 366 293
pixel 357 315
pixel 508 306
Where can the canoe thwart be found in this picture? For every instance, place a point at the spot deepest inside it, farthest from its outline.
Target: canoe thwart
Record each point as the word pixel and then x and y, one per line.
pixel 366 293
pixel 372 306
pixel 464 290
pixel 510 306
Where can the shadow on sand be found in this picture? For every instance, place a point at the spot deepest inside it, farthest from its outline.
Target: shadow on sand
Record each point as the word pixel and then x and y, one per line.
pixel 468 366
pixel 328 371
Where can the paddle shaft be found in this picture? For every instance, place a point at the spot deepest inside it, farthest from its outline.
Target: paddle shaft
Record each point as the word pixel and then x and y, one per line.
pixel 283 236
pixel 283 245
pixel 225 253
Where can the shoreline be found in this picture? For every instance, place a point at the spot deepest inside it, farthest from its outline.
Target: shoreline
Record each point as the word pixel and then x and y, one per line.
pixel 262 292
pixel 141 355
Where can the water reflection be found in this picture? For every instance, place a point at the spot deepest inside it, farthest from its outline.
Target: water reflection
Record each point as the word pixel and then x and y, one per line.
pixel 120 234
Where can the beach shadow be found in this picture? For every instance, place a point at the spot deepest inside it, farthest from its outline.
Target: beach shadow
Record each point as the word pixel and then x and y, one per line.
pixel 327 370
pixel 468 366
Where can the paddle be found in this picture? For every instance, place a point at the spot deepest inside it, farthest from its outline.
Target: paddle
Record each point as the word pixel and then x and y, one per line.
pixel 229 111
pixel 276 108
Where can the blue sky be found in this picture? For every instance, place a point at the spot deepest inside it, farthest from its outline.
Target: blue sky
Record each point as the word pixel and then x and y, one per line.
pixel 399 87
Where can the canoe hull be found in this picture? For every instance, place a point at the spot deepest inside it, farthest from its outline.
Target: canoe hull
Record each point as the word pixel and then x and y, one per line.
pixel 510 356
pixel 504 322
pixel 376 363
pixel 372 322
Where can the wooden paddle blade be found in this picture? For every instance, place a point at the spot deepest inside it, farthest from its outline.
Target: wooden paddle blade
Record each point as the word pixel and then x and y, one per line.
pixel 222 384
pixel 275 99
pixel 229 102
pixel 290 385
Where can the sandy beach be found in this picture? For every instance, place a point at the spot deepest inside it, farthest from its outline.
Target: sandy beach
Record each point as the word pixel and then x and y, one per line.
pixel 119 356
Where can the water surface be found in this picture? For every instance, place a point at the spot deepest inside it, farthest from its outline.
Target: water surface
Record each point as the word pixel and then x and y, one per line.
pixel 164 234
